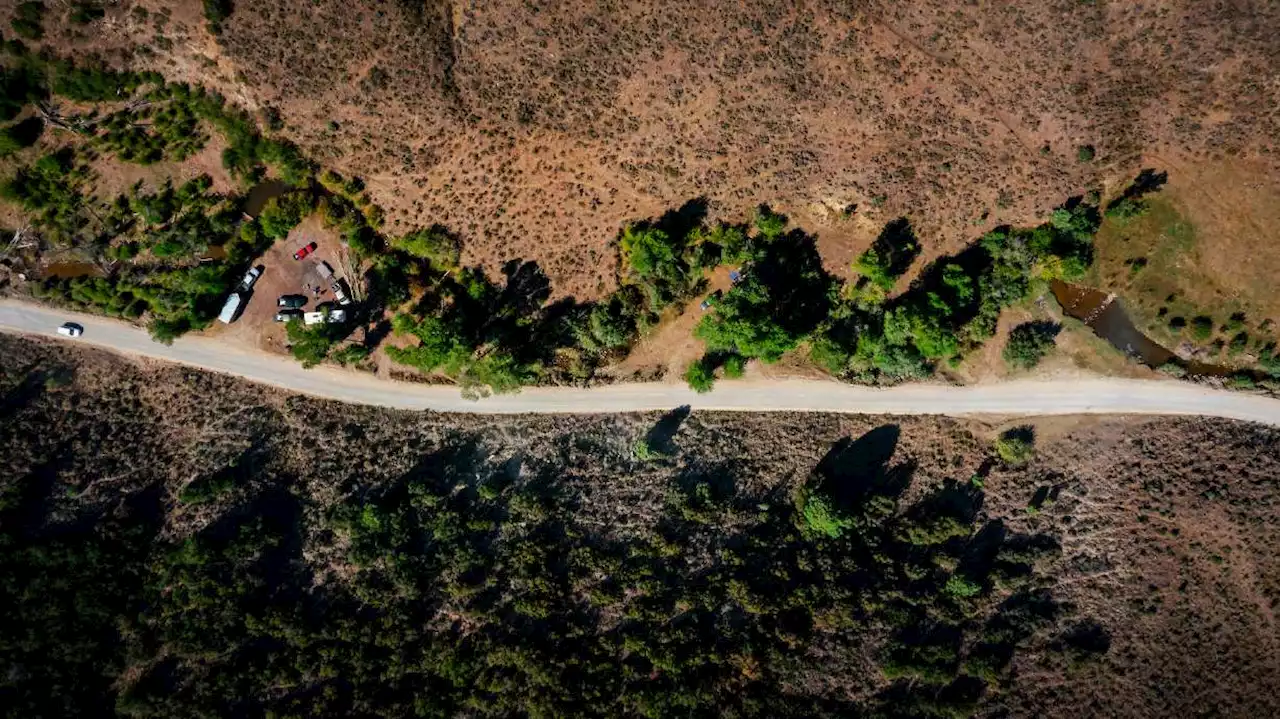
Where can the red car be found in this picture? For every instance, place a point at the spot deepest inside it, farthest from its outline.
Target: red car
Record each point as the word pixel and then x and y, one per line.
pixel 304 250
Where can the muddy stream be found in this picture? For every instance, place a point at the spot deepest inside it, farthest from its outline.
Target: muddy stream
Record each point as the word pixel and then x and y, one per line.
pixel 1105 314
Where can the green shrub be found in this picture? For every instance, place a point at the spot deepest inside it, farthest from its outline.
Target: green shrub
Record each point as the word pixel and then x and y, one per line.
pixel 889 256
pixel 645 451
pixel 701 376
pixel 27 21
pixel 351 354
pixel 1127 208
pixel 962 587
pixel 1202 327
pixel 1242 380
pixel 281 214
pixel 1029 343
pixel 769 224
pixel 819 515
pixel 310 345
pixel 734 366
pixel 434 244
pixel 1085 153
pixel 1017 446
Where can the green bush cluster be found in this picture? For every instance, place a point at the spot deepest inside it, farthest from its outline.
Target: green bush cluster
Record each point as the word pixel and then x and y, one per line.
pixel 248 152
pixel 54 190
pixel 312 344
pixel 28 19
pixel 1029 343
pixel 167 132
pixel 700 375
pixel 434 244
pixel 954 306
pixel 157 237
pixel 486 337
pixel 1127 208
pixel 783 293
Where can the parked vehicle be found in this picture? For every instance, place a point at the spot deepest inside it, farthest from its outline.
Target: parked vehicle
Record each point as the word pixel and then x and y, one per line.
pixel 231 308
pixel 70 329
pixel 250 278
pixel 711 301
pixel 305 250
pixel 332 317
pixel 287 315
pixel 293 302
pixel 339 293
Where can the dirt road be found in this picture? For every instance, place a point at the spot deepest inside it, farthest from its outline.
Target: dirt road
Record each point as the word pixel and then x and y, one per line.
pixel 1066 396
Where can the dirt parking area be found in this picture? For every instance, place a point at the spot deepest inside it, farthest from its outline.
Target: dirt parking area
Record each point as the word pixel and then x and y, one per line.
pixel 283 275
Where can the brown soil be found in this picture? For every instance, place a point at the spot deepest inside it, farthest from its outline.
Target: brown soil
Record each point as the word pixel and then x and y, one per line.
pixel 284 275
pixel 1169 527
pixel 537 131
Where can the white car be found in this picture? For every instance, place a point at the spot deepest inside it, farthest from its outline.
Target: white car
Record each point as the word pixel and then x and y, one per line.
pixel 70 329
pixel 250 278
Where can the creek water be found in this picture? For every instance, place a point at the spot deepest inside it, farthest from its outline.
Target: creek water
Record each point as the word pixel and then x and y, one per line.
pixel 261 192
pixel 1105 314
pixel 68 270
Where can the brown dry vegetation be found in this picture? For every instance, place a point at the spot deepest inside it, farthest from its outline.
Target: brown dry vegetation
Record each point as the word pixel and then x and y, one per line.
pixel 1169 528
pixel 536 130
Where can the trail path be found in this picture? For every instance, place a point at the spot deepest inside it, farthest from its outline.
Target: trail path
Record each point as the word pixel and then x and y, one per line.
pixel 1025 398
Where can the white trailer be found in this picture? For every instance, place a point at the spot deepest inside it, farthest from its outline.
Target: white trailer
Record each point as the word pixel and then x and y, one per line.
pixel 230 309
pixel 332 316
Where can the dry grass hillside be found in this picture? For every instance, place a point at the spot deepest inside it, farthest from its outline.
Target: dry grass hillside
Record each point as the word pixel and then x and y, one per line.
pixel 536 129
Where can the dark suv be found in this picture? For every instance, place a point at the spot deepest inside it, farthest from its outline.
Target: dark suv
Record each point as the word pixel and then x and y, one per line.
pixel 293 302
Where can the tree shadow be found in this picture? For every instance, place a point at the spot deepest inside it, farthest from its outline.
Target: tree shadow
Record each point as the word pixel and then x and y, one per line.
pixel 962 500
pixel 1084 640
pixel 374 336
pixel 1047 329
pixel 854 470
pixel 25 509
pixel 459 462
pixel 897 246
pixel 525 289
pixel 912 699
pixel 797 282
pixel 678 223
pixel 1147 182
pixel 1044 495
pixel 982 550
pixel 661 435
pixel 1022 433
pixel 24 392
